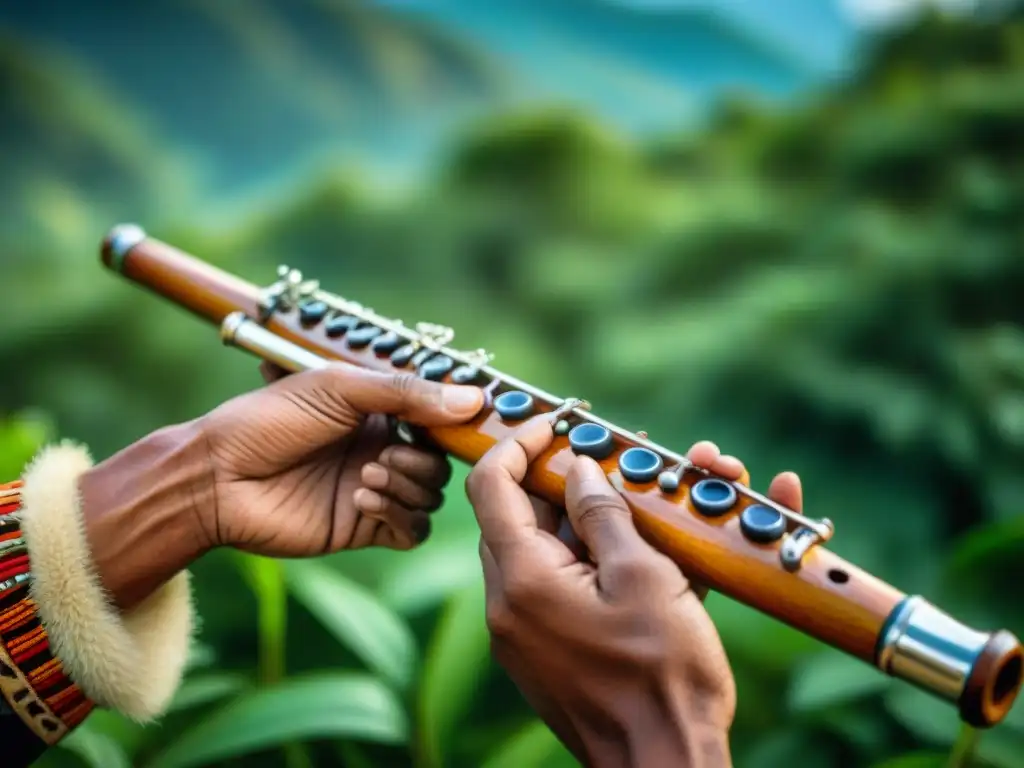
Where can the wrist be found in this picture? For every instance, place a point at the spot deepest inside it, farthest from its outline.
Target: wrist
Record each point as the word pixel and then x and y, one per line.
pixel 146 511
pixel 652 733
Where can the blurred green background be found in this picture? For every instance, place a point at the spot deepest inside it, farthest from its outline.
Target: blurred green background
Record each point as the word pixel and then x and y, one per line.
pixel 791 227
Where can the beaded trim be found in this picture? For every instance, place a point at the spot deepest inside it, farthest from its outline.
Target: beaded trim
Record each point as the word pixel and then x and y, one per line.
pixel 32 681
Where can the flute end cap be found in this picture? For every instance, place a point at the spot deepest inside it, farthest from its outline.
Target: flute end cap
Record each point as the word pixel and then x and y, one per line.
pixel 118 242
pixel 994 681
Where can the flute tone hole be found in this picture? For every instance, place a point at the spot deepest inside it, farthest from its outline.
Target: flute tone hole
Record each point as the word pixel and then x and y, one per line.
pixel 838 576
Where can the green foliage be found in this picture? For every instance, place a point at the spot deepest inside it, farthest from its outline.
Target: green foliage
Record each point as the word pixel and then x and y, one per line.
pixel 834 289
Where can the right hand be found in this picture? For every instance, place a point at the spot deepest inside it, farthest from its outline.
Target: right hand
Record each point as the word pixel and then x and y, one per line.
pixel 616 653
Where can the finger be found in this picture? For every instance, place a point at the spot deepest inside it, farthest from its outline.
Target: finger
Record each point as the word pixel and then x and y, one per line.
pixel 271 372
pixel 707 455
pixel 599 515
pixel 787 489
pixel 428 468
pixel 342 391
pixel 731 468
pixel 704 454
pixel 403 528
pixel 503 510
pixel 391 482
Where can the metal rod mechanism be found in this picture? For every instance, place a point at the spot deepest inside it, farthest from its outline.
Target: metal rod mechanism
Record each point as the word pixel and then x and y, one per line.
pixel 298 289
pixel 238 330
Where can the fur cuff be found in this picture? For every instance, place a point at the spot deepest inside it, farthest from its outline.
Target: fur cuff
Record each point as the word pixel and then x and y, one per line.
pixel 130 662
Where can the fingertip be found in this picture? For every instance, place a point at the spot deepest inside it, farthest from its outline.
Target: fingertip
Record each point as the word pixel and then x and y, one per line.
pixel 704 454
pixel 787 489
pixel 421 528
pixel 729 467
pixel 367 501
pixel 375 476
pixel 585 470
pixel 461 401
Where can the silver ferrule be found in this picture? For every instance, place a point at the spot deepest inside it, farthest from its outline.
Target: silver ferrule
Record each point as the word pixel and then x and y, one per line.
pixel 123 238
pixel 237 330
pixel 929 648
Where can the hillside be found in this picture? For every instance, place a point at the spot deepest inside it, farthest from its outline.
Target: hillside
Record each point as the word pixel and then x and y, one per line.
pixel 250 93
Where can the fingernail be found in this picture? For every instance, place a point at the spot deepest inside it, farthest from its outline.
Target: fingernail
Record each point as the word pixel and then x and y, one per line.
pixel 368 501
pixel 421 528
pixel 590 471
pixel 375 476
pixel 461 398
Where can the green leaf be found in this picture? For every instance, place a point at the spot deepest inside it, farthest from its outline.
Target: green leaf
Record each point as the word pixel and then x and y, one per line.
pixel 204 689
pixel 265 578
pixel 936 722
pixel 785 748
pixel 754 638
pixel 329 706
pixel 357 619
pixel 424 578
pixel 535 745
pixel 930 719
pixel 96 748
pixel 200 656
pixel 832 678
pixel 21 437
pixel 456 664
pixel 915 760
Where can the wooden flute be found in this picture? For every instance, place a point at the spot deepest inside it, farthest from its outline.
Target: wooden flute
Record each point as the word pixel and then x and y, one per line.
pixel 722 534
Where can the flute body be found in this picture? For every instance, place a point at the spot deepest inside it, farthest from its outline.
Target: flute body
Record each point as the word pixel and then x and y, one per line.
pixel 723 534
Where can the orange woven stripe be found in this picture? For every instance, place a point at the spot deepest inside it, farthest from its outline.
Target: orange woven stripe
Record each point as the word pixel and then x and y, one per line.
pixel 23 611
pixel 24 638
pixel 34 636
pixel 43 673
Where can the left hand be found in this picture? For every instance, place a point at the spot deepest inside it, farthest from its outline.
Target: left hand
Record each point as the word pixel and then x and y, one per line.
pixel 303 467
pixel 308 465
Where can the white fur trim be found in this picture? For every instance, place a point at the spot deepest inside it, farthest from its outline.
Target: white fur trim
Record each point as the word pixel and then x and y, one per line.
pixel 131 662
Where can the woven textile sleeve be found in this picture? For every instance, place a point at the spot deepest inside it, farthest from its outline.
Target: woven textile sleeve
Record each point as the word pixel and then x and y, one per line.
pixel 64 647
pixel 39 703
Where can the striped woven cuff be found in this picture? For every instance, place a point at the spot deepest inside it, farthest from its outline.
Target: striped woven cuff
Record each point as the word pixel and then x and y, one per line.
pixel 39 703
pixel 131 662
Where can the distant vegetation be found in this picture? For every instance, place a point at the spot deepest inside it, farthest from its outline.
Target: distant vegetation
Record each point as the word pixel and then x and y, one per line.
pixel 833 289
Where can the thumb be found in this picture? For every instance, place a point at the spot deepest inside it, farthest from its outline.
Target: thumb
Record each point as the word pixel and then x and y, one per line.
pixel 344 390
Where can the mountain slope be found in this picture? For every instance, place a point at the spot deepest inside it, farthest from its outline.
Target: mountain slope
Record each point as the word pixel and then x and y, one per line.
pixel 249 90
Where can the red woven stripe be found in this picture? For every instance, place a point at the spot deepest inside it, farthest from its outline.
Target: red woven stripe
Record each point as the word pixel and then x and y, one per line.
pixel 28 645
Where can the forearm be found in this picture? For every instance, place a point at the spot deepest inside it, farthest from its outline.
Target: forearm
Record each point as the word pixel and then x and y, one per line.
pixel 95 607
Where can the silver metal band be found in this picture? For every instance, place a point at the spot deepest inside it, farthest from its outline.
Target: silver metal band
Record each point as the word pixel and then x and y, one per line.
pixel 123 238
pixel 929 648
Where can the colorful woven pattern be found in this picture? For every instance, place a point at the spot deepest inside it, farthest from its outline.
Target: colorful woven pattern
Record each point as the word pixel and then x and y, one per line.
pixel 32 682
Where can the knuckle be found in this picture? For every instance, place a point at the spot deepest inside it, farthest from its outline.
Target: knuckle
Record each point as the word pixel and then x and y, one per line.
pixel 521 588
pixel 601 507
pixel 403 384
pixel 480 480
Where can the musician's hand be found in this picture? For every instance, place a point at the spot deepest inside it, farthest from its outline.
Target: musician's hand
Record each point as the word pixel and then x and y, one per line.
pixel 616 653
pixel 308 465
